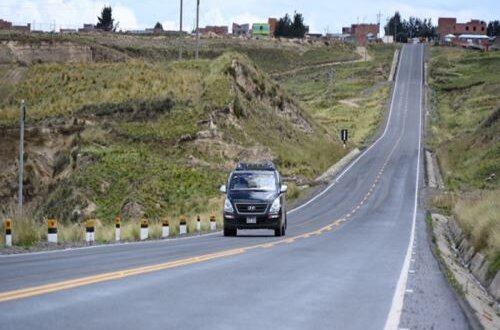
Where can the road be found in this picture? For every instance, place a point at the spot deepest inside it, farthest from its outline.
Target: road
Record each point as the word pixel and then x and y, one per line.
pixel 355 257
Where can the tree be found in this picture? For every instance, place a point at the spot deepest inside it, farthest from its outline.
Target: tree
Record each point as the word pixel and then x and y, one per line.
pixel 283 27
pixel 298 28
pixel 413 28
pixel 493 29
pixel 395 27
pixel 106 21
pixel 291 29
pixel 158 27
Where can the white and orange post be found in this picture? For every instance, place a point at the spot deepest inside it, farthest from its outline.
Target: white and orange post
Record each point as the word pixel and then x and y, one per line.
pixel 90 231
pixel 144 229
pixel 165 228
pixel 8 232
pixel 183 226
pixel 117 229
pixel 213 223
pixel 52 231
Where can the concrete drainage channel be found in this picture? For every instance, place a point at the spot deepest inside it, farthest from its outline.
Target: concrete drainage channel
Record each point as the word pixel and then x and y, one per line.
pixel 462 275
pixel 466 269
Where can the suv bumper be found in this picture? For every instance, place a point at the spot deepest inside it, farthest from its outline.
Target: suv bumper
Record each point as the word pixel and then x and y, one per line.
pixel 236 221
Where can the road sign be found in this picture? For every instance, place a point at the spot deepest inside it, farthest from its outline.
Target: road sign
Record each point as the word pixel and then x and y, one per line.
pixel 344 135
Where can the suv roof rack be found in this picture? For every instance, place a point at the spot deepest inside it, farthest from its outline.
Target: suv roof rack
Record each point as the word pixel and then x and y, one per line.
pixel 259 166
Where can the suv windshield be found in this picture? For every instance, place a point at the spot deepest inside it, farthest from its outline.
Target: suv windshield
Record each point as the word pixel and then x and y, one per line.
pixel 253 181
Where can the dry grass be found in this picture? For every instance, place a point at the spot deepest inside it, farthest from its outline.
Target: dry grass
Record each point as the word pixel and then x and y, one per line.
pixel 25 231
pixel 464 130
pixel 444 202
pixel 61 89
pixel 71 233
pixel 130 231
pixel 478 215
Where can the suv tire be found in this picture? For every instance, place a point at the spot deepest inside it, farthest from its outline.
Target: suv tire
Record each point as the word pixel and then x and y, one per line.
pixel 280 231
pixel 229 232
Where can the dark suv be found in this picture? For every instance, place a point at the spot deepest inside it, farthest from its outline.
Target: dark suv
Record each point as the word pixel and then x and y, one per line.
pixel 255 199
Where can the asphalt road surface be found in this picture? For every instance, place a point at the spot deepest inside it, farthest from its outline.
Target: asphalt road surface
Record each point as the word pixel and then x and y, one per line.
pixel 355 257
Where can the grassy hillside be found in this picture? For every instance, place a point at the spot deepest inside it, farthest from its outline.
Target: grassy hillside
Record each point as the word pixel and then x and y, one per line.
pixel 350 96
pixel 466 136
pixel 149 136
pixel 163 136
pixel 271 55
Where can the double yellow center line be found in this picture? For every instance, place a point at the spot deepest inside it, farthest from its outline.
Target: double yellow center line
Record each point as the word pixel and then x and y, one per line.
pixel 93 279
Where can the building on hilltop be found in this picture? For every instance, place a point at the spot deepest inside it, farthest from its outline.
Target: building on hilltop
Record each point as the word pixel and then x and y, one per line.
pixel 273 23
pixel 241 30
pixel 346 30
pixel 449 25
pixel 338 36
pixel 362 34
pixel 471 34
pixel 261 30
pixel 6 25
pixel 219 30
pixel 365 33
pixel 87 28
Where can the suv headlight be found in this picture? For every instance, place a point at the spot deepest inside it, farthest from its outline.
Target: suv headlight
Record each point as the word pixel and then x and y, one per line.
pixel 228 207
pixel 275 207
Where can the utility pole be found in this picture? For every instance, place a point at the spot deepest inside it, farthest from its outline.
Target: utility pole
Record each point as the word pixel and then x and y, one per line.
pixel 395 29
pixel 197 28
pixel 180 34
pixel 379 14
pixel 21 158
pixel 331 86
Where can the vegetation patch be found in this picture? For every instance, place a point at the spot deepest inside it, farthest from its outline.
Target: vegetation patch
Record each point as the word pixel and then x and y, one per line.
pixel 156 137
pixel 465 133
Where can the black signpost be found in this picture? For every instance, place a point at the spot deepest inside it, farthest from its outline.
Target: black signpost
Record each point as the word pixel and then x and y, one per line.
pixel 344 135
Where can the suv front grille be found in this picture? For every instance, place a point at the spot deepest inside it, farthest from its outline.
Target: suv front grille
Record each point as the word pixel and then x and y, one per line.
pixel 251 208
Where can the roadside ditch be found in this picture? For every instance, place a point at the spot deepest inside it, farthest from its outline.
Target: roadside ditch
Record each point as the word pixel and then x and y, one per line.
pixel 466 270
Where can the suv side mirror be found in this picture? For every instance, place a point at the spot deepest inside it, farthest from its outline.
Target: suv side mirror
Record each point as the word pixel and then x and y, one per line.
pixel 283 189
pixel 223 189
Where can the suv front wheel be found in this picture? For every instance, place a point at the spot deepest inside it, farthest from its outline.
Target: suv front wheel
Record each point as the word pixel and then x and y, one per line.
pixel 281 231
pixel 229 232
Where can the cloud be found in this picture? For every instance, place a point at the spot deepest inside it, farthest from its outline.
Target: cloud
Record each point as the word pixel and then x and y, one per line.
pixel 55 14
pixel 212 16
pixel 170 25
pixel 126 18
pixel 319 14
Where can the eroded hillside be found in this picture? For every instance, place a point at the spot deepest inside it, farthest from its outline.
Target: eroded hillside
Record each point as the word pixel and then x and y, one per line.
pixel 136 138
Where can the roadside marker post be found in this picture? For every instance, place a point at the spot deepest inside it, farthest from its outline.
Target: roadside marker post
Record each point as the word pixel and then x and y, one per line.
pixel 213 223
pixel 344 136
pixel 183 226
pixel 165 228
pixel 52 231
pixel 117 229
pixel 8 232
pixel 90 231
pixel 198 224
pixel 144 229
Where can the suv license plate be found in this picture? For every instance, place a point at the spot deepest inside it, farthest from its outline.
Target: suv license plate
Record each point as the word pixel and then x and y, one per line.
pixel 251 220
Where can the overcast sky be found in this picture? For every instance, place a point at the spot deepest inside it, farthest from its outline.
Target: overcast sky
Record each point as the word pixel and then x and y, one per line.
pixel 320 15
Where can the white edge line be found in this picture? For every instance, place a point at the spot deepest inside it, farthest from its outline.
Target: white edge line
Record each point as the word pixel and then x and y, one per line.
pixel 364 152
pixel 394 315
pixel 113 244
